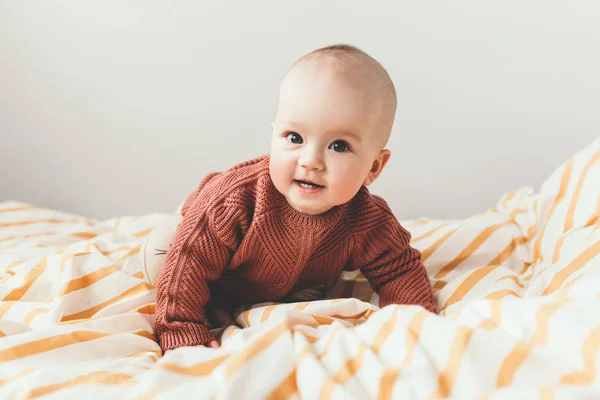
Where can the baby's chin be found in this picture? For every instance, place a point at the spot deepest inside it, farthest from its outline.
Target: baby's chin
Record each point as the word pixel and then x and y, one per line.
pixel 309 209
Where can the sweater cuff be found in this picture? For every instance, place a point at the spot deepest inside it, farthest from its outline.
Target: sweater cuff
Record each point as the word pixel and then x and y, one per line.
pixel 187 334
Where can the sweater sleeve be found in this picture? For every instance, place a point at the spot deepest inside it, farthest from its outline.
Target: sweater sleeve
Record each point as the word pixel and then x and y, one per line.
pixel 200 252
pixel 392 267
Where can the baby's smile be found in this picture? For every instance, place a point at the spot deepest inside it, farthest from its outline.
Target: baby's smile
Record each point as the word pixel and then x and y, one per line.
pixel 308 187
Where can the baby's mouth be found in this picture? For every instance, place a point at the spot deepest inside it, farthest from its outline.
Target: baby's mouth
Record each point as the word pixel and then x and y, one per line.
pixel 307 185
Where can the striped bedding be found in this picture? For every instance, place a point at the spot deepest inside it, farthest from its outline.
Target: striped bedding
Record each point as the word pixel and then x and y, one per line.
pixel 518 287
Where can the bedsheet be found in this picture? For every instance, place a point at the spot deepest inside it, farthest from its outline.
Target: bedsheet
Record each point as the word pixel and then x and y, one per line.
pixel 518 287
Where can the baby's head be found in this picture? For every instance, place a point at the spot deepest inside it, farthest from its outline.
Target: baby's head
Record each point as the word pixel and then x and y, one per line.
pixel 335 112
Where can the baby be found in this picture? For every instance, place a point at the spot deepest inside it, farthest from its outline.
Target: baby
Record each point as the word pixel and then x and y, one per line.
pixel 298 217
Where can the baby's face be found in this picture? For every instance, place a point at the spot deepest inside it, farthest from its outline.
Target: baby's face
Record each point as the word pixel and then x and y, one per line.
pixel 325 140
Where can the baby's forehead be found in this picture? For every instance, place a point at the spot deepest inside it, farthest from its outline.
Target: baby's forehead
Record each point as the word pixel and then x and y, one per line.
pixel 350 69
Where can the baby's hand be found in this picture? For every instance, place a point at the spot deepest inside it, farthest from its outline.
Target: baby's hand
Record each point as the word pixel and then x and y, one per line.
pixel 214 344
pixel 308 294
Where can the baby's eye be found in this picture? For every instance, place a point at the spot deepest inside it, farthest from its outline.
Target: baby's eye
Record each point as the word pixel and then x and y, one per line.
pixel 340 146
pixel 295 138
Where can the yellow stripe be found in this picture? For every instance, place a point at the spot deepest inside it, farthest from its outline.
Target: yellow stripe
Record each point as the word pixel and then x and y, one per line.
pixel 90 312
pixel 144 333
pixel 590 348
pixel 301 306
pixel 40 221
pixel 267 313
pixel 67 257
pixel 564 185
pixel 543 315
pixel 470 249
pixel 500 294
pixel 246 317
pixel 139 275
pixel 513 278
pixel 353 317
pixel 84 235
pixel 511 363
pixel 385 331
pixel 523 348
pixel 150 394
pixel 19 375
pixel 507 252
pixel 100 377
pixel 33 313
pixel 508 198
pixel 328 346
pixel 413 333
pixel 574 266
pixel 431 232
pixel 571 211
pixel 429 250
pixel 143 233
pixel 447 377
pixel 144 353
pixel 351 366
pixel 147 309
pixel 465 287
pixel 594 217
pixel 49 343
pixel 495 318
pixel 513 214
pixel 322 319
pixel 439 285
pixel 387 382
pixel 108 253
pixel 546 393
pixel 327 388
pixel 559 244
pixel 420 221
pixel 87 280
pixel 239 359
pixel 9 270
pixel 564 292
pixel 286 389
pixel 30 278
pixel 128 254
pixel 203 368
pixel 5 306
pixel 28 236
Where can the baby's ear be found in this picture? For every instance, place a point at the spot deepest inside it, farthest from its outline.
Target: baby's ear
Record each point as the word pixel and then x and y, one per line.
pixel 378 165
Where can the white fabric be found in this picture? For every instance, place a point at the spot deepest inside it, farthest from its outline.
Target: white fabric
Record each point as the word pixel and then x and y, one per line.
pixel 518 285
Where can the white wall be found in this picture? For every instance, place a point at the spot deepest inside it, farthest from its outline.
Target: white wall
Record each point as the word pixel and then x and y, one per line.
pixel 120 107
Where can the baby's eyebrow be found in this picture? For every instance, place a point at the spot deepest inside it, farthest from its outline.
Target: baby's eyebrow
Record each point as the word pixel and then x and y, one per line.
pixel 290 125
pixel 351 134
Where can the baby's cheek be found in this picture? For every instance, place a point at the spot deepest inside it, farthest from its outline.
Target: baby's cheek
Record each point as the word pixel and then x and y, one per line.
pixel 347 185
pixel 279 171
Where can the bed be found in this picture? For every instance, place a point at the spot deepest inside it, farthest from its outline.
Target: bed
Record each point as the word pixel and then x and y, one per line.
pixel 518 288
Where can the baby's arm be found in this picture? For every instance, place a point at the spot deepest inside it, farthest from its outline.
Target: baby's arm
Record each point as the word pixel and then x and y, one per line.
pixel 198 255
pixel 394 268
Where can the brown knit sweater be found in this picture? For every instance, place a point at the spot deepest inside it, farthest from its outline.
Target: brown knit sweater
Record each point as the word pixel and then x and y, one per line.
pixel 241 242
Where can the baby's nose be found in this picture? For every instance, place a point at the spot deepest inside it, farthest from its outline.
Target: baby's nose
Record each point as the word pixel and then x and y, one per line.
pixel 311 160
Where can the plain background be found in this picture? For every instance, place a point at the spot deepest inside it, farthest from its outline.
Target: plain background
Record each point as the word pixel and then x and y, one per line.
pixel 119 108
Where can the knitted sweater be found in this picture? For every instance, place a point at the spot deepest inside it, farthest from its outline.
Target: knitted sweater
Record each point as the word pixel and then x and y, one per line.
pixel 241 242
